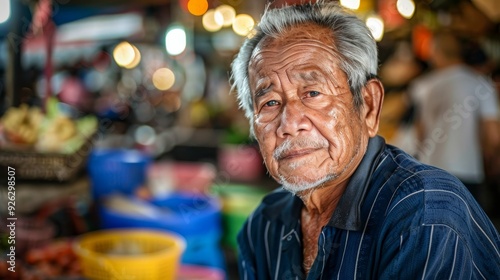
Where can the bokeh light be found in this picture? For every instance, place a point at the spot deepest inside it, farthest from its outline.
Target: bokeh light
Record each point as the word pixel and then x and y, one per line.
pixel 136 60
pixel 171 102
pixel 197 7
pixel 4 10
pixel 376 26
pixel 145 135
pixel 228 14
pixel 175 40
pixel 243 24
pixel 406 8
pixel 212 21
pixel 163 79
pixel 350 4
pixel 126 55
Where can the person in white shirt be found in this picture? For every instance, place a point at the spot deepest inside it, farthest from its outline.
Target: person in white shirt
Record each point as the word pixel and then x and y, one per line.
pixel 457 122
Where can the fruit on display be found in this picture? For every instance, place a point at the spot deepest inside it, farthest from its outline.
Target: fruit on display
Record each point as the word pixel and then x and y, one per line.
pixel 62 128
pixel 50 132
pixel 56 132
pixel 21 125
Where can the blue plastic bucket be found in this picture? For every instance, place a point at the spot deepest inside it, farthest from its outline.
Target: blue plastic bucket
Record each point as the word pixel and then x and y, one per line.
pixel 116 171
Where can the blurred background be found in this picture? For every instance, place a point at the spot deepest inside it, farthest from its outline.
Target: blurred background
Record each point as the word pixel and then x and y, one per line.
pixel 117 118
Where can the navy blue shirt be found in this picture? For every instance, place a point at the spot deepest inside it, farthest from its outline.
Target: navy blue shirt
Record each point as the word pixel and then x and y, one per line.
pixel 398 219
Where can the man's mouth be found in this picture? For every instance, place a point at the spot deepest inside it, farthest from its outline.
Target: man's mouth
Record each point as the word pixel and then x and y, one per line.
pixel 295 154
pixel 299 147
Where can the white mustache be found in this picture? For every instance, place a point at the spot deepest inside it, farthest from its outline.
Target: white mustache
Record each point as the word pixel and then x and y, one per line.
pixel 297 144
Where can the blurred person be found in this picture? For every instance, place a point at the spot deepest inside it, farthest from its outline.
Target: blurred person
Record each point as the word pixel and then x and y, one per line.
pixel 457 114
pixel 350 206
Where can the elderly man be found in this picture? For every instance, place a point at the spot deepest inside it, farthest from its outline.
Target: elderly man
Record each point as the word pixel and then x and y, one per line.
pixel 352 207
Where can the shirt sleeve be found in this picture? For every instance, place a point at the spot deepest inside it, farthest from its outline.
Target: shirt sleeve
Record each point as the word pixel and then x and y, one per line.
pixel 436 252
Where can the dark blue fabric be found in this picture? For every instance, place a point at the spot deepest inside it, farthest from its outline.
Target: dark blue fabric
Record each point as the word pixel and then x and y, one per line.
pixel 398 219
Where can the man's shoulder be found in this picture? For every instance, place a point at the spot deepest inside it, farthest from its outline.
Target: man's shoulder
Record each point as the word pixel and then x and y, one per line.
pixel 410 166
pixel 428 194
pixel 407 167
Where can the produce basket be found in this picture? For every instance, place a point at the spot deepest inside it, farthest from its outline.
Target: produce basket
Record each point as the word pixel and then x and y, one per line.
pixel 130 254
pixel 48 146
pixel 34 165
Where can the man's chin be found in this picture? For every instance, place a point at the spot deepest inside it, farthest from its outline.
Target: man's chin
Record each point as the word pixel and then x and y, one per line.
pixel 297 186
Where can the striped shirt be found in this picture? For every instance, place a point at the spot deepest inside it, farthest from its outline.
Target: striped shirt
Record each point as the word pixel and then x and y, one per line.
pixel 398 219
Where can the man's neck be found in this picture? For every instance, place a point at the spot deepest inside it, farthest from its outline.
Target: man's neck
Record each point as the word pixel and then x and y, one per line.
pixel 322 201
pixel 319 205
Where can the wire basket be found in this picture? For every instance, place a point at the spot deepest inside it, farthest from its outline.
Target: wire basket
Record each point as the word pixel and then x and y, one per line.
pixel 128 254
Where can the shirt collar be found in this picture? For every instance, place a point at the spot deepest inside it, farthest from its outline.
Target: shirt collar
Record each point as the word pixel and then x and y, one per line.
pixel 285 206
pixel 347 215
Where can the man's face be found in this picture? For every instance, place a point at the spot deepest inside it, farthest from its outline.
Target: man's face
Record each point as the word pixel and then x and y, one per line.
pixel 306 124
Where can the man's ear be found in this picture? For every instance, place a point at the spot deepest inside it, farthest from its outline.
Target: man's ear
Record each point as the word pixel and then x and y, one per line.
pixel 373 96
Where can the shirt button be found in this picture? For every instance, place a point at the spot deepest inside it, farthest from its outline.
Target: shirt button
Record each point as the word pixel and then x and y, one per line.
pixel 289 238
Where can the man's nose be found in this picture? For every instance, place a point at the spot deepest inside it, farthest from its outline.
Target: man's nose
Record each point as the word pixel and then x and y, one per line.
pixel 293 120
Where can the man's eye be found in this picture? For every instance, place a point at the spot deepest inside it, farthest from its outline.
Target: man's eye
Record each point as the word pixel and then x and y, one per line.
pixel 313 93
pixel 271 103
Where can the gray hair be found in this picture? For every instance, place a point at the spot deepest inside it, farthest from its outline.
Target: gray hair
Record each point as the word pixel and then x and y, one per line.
pixel 355 46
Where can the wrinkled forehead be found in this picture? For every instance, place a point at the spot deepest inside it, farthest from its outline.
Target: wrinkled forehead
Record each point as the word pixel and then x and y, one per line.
pixel 301 44
pixel 306 31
